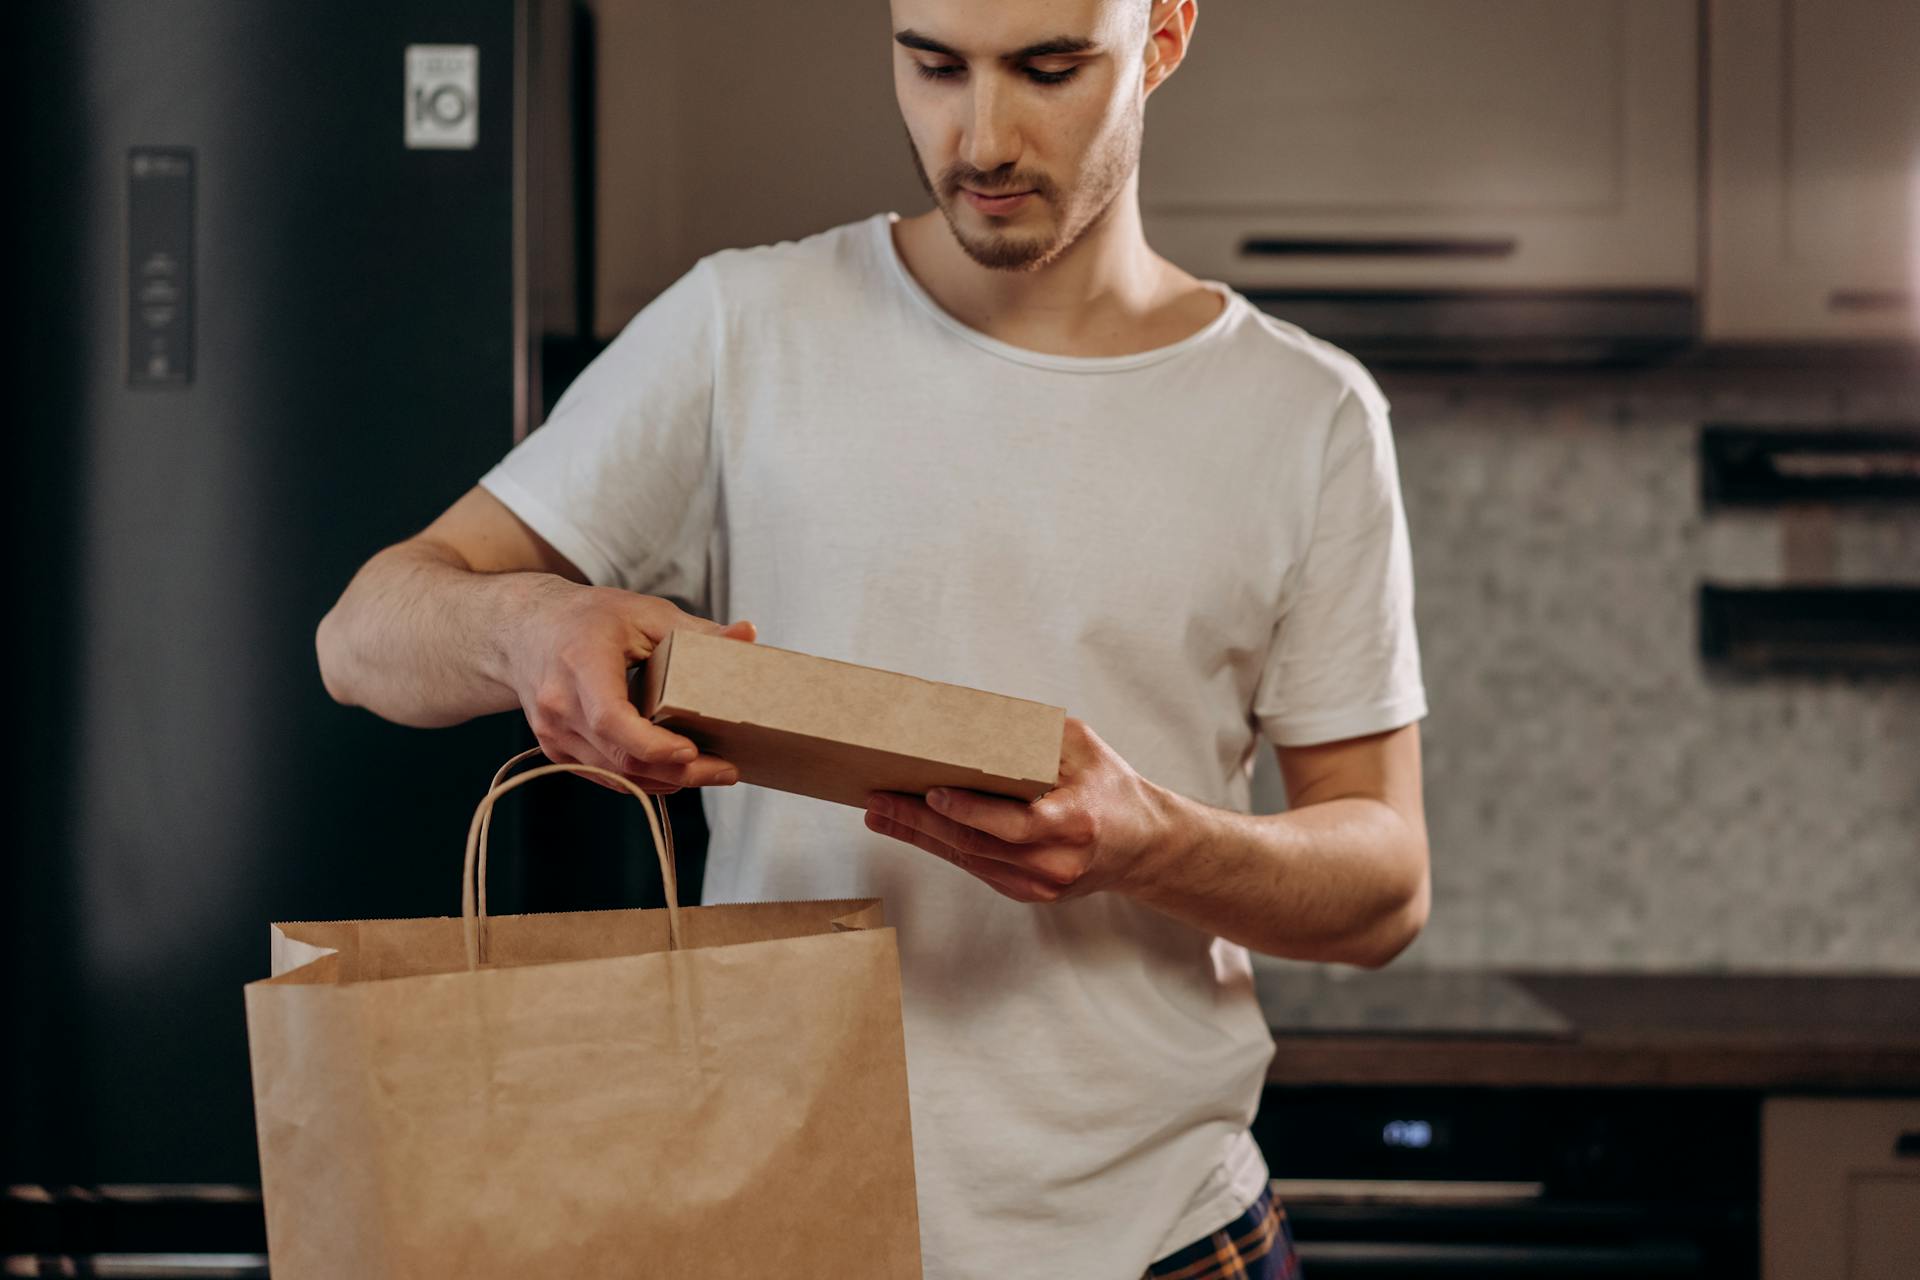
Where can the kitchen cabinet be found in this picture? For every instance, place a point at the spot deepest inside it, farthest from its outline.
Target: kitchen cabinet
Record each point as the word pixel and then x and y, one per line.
pixel 1839 1187
pixel 1813 175
pixel 1393 144
pixel 724 125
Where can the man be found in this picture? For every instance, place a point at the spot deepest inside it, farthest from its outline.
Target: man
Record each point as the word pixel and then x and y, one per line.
pixel 1003 444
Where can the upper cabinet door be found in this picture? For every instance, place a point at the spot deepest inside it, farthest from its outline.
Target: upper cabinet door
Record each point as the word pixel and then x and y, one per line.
pixel 1813 161
pixel 1431 143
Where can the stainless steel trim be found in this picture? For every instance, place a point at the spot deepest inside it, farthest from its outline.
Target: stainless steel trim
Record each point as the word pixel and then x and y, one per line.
pixel 1404 1191
pixel 139 1193
pixel 1870 300
pixel 1485 1259
pixel 1481 326
pixel 234 1266
pixel 1379 247
pixel 201 1192
pixel 141 1266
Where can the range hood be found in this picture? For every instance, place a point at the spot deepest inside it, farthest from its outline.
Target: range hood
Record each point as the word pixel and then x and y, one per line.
pixel 1492 327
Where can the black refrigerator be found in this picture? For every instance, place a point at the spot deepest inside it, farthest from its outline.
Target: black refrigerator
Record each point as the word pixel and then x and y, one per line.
pixel 279 262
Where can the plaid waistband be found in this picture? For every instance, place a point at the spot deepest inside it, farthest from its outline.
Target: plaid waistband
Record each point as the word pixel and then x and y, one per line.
pixel 1257 1245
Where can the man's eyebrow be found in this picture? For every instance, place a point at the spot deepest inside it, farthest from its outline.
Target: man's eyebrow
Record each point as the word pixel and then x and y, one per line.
pixel 1051 48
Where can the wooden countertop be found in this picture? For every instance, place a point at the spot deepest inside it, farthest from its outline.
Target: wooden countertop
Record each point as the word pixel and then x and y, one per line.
pixel 1798 1032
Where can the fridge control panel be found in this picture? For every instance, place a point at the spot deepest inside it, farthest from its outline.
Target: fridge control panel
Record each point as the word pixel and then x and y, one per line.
pixel 159 266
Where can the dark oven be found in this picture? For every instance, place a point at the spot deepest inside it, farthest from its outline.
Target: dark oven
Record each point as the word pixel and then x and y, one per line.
pixel 1390 1182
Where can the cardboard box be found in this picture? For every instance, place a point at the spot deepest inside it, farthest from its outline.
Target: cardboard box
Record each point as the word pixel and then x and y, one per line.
pixel 795 722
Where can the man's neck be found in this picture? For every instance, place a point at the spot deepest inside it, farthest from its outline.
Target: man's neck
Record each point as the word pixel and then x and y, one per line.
pixel 1108 294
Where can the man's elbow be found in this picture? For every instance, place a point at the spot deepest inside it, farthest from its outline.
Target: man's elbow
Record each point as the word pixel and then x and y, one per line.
pixel 1404 929
pixel 1396 932
pixel 327 646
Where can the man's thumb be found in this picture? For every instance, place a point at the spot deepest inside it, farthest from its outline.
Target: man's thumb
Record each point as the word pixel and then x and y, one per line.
pixel 740 631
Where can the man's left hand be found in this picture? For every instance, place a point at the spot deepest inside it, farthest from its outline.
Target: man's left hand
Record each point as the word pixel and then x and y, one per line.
pixel 1095 830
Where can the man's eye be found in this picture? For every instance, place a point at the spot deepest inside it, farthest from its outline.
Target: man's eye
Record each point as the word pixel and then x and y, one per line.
pixel 948 71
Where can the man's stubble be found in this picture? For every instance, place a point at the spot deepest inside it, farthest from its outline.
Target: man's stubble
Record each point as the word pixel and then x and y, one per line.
pixel 1083 209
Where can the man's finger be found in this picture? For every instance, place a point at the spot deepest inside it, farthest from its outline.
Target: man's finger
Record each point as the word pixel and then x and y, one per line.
pixel 1012 821
pixel 650 626
pixel 913 812
pixel 739 630
pixel 610 719
pixel 1006 880
pixel 1043 859
pixel 701 771
pixel 576 751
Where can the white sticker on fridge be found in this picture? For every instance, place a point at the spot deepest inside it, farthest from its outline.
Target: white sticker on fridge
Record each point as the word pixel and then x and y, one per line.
pixel 443 95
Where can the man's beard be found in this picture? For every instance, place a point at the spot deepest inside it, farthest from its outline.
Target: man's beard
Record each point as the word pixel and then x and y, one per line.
pixel 1083 209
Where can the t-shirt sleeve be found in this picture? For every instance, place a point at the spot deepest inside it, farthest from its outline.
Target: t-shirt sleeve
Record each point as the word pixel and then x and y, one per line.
pixel 1344 660
pixel 621 478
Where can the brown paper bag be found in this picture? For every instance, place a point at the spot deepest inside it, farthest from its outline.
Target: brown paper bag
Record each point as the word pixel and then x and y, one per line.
pixel 715 1091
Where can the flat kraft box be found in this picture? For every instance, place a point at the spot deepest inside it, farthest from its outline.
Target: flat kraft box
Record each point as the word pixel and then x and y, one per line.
pixel 835 730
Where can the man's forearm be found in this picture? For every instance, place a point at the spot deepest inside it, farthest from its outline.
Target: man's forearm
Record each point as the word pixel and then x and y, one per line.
pixel 420 639
pixel 1343 880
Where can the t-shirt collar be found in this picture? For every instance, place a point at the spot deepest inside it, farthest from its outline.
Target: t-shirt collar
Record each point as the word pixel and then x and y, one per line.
pixel 881 225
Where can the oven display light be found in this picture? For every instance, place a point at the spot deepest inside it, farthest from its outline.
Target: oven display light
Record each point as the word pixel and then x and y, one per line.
pixel 1417 1134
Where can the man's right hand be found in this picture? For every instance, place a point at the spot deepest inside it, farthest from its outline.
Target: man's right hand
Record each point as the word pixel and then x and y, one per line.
pixel 478 613
pixel 569 658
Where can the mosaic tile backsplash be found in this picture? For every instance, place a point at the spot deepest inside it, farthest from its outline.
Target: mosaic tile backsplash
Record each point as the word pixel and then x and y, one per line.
pixel 1597 798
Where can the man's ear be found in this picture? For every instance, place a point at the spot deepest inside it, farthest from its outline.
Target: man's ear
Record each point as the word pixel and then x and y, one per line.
pixel 1170 26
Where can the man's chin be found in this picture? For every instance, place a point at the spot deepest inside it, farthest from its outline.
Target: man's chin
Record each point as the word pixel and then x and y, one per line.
pixel 1022 249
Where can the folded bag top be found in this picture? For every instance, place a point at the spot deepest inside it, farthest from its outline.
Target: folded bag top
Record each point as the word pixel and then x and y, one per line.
pixel 683 1091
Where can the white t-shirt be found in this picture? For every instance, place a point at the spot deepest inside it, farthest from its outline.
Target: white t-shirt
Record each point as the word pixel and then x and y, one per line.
pixel 1190 548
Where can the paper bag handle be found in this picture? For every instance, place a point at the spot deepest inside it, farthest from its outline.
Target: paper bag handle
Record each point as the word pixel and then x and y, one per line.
pixel 669 868
pixel 473 875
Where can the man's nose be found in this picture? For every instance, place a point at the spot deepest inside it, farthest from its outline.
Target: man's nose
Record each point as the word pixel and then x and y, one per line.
pixel 994 141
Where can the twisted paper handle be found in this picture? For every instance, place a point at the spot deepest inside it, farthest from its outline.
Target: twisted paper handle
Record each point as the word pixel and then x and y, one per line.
pixel 473 876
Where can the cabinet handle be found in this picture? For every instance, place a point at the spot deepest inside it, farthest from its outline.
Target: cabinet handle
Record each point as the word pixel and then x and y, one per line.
pixel 1907 1145
pixel 1869 300
pixel 1391 247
